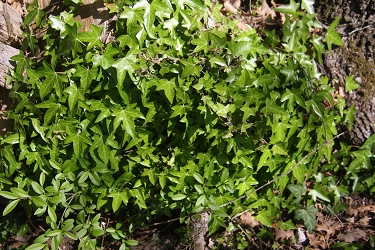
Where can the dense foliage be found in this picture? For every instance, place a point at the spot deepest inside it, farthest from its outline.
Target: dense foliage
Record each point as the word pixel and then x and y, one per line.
pixel 181 113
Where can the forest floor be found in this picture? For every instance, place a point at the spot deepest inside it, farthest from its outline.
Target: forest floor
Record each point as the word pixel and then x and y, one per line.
pixel 353 226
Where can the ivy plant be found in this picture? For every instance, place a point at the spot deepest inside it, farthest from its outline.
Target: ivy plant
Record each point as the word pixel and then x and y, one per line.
pixel 181 113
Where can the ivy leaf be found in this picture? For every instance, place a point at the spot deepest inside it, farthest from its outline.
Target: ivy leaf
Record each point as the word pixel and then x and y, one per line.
pixel 272 108
pixel 308 215
pixel 265 217
pixel 286 225
pixel 78 138
pixel 201 43
pixel 192 67
pixel 350 84
pixel 308 5
pixel 71 41
pixel 126 117
pixel 193 4
pixel 75 94
pixel 332 37
pixel 168 86
pixel 290 9
pixel 118 198
pixel 369 143
pixel 316 194
pixel 148 16
pixel 105 60
pixel 125 65
pixel 279 148
pixel 92 36
pixel 52 80
pixel 86 75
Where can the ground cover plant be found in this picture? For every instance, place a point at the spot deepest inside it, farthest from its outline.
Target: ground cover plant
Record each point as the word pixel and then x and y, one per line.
pixel 181 113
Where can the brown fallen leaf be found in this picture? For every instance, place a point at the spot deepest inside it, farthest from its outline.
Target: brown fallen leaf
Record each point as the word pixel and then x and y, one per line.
pixel 316 240
pixel 330 230
pixel 364 221
pixel 247 219
pixel 283 234
pixel 231 7
pixel 368 208
pixel 353 236
pixel 264 11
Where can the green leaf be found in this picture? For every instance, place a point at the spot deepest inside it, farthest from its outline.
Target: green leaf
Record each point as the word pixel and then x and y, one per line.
pixel 299 173
pixel 52 214
pixel 178 197
pixel 286 225
pixel 10 207
pixel 265 217
pixel 12 139
pixel 125 65
pixel 86 75
pixel 168 86
pixel 36 246
pixel 78 138
pixel 75 94
pixel 9 156
pixel 118 198
pixel 279 148
pixel 9 195
pixel 272 108
pixel 350 84
pixel 92 36
pixel 308 215
pixel 316 194
pixel 52 80
pixel 290 8
pixel 296 190
pixel 105 60
pixel 191 67
pixel 201 43
pixel 126 117
pixel 308 5
pixel 332 37
pixel 37 188
pixel 369 143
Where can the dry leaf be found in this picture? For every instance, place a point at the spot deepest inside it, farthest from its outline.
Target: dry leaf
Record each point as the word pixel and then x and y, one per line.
pixel 264 11
pixel 368 208
pixel 243 25
pixel 282 234
pixel 316 240
pixel 364 221
pixel 229 7
pixel 353 236
pixel 247 219
pixel 330 230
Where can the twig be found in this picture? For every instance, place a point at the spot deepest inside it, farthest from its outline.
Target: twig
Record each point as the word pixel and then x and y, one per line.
pixel 358 29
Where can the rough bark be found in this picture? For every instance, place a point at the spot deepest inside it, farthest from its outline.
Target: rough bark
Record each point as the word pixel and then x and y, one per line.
pixel 10 34
pixel 356 57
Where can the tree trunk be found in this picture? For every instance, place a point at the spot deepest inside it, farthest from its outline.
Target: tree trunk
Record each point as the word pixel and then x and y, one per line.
pixel 356 57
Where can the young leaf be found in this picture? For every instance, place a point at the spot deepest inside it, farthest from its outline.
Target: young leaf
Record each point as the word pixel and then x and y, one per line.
pixel 332 37
pixel 350 84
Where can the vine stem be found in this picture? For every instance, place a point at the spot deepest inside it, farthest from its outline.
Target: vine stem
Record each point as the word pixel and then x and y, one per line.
pixel 256 190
